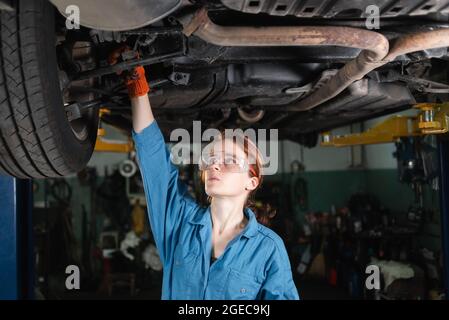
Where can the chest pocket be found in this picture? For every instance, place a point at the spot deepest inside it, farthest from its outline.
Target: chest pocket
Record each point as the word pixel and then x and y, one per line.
pixel 241 286
pixel 185 272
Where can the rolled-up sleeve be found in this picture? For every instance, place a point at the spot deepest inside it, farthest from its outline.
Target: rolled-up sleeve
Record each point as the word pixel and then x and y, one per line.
pixel 165 195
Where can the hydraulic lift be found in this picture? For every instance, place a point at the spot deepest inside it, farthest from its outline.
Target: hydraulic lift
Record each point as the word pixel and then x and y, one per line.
pixel 105 145
pixel 16 239
pixel 16 232
pixel 431 118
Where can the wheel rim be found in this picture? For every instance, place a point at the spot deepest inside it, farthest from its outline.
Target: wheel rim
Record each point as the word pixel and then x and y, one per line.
pixel 77 57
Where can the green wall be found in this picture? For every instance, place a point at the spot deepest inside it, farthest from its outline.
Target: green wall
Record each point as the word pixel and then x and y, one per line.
pixel 384 183
pixel 332 188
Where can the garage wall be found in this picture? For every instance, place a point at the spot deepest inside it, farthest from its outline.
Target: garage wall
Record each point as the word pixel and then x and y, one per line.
pixel 315 159
pixel 379 156
pixel 326 188
pixel 332 175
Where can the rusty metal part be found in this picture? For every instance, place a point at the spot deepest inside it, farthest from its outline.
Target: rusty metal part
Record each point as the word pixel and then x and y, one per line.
pixel 251 116
pixel 352 71
pixel 358 67
pixel 374 48
pixel 406 44
pixel 202 27
pixel 417 42
pixel 403 45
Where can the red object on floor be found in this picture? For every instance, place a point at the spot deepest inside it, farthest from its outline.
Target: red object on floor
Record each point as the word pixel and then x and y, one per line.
pixel 333 277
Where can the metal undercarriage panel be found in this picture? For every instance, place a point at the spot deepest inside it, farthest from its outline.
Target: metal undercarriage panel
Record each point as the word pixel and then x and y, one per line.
pixel 117 15
pixel 338 9
pixel 217 74
pixel 364 99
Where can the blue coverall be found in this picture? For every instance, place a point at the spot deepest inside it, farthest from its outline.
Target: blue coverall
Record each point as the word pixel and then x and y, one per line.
pixel 254 265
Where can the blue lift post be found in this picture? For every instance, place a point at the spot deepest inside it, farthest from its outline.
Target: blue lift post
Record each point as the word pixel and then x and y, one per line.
pixel 16 239
pixel 443 153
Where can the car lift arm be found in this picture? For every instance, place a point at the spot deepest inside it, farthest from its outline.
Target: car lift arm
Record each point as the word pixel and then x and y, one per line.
pixel 432 118
pixel 106 145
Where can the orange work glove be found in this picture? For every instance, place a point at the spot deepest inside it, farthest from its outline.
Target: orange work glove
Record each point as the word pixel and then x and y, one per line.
pixel 137 83
pixel 135 79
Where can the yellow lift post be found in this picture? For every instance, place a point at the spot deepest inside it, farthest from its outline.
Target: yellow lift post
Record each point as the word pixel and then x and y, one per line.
pixel 106 145
pixel 432 118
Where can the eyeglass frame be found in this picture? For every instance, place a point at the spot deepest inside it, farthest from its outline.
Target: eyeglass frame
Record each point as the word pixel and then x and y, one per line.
pixel 241 162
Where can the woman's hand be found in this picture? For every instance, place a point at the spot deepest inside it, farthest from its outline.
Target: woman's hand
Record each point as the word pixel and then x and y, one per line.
pixel 138 89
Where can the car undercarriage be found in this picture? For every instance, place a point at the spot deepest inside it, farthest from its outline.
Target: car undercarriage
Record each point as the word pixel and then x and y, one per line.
pixel 244 69
pixel 302 67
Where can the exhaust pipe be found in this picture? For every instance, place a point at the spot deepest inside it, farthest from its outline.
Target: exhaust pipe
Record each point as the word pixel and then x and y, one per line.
pixel 375 48
pixel 417 42
pixel 359 67
pixel 202 27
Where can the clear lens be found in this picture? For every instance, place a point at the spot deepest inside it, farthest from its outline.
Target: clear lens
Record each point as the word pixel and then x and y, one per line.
pixel 227 163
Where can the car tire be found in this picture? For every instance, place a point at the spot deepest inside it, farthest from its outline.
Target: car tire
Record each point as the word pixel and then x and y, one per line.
pixel 36 137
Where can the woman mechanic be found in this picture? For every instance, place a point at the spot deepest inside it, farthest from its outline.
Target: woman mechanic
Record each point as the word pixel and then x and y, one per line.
pixel 218 252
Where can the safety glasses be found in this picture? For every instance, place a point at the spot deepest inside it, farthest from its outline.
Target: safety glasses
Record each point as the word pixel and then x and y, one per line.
pixel 227 162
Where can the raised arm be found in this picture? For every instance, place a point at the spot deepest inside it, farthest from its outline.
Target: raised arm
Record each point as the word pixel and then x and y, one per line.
pixel 166 198
pixel 142 114
pixel 138 92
